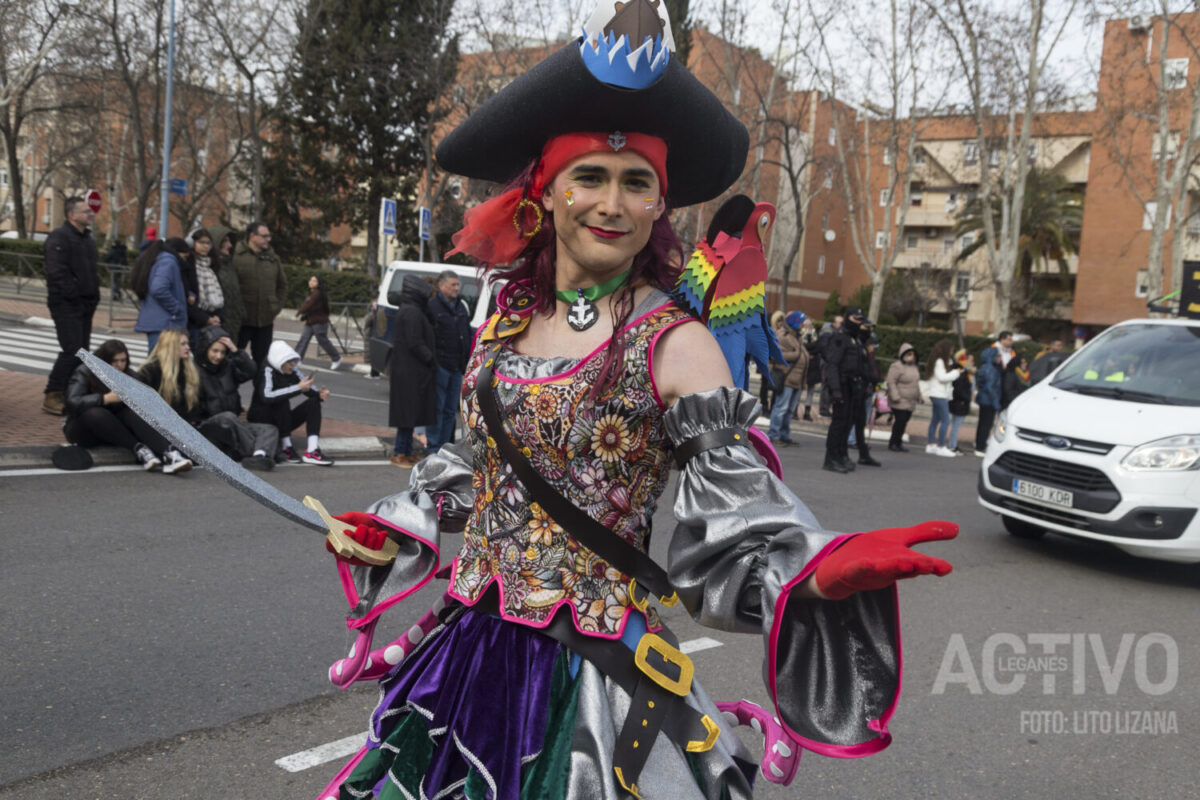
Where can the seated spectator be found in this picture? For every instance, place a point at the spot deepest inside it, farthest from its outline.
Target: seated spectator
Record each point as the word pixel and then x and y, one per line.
pixel 170 372
pixel 96 416
pixel 278 381
pixel 222 368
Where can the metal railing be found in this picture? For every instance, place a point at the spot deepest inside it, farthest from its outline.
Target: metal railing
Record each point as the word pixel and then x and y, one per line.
pixel 29 270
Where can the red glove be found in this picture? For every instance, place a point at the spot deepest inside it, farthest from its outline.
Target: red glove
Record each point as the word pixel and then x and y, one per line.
pixel 878 559
pixel 366 532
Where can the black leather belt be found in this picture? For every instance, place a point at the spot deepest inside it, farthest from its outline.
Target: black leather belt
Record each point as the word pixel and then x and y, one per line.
pixel 657 677
pixel 725 437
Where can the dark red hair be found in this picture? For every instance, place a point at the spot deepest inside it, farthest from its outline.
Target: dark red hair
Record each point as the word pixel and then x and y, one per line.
pixel 658 264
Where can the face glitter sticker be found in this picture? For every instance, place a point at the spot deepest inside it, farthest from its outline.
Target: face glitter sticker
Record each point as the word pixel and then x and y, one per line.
pixel 650 202
pixel 569 196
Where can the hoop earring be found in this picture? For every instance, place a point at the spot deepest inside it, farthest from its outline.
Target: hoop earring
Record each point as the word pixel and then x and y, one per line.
pixel 517 218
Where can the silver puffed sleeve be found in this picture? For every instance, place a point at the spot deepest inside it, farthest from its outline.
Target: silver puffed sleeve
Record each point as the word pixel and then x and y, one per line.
pixel 743 544
pixel 438 500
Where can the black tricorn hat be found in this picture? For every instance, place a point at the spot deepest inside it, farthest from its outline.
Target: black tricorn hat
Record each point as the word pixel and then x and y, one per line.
pixel 706 144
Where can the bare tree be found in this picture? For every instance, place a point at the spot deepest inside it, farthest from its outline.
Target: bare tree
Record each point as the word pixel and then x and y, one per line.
pixel 1002 59
pixel 884 120
pixel 33 36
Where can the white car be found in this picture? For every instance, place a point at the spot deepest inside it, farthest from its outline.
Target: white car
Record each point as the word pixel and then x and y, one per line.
pixel 1108 446
pixel 380 347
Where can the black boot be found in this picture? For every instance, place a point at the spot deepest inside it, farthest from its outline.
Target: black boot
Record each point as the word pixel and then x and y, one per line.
pixel 808 414
pixel 834 466
pixel 847 464
pixel 865 458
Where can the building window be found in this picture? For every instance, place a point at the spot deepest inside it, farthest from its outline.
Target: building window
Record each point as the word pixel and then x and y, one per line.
pixel 1175 75
pixel 825 222
pixel 880 240
pixel 919 156
pixel 828 180
pixel 1151 212
pixel 915 198
pixel 948 245
pixel 1033 150
pixel 1172 145
pixel 821 265
pixel 911 241
pixel 841 264
pixel 887 155
pixel 962 285
pixel 966 241
pixel 833 133
pixel 994 157
pixel 884 196
pixel 970 152
pixel 1142 287
pixel 3 177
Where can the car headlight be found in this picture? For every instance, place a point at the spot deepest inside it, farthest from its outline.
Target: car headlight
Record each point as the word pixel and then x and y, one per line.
pixel 1173 453
pixel 1001 429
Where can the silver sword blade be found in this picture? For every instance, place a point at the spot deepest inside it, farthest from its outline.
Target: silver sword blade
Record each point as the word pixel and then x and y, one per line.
pixel 147 404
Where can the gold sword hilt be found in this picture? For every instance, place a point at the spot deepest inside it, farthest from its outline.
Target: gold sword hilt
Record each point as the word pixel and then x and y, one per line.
pixel 346 547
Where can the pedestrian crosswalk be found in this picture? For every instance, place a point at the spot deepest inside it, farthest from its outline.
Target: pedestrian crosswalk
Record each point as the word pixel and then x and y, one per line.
pixel 25 348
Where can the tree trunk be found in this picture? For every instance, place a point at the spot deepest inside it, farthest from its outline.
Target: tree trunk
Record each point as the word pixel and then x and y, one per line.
pixel 877 281
pixel 256 178
pixel 16 181
pixel 371 256
pixel 1002 307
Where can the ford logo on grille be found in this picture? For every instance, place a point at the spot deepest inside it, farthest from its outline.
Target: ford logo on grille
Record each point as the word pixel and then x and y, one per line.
pixel 1057 442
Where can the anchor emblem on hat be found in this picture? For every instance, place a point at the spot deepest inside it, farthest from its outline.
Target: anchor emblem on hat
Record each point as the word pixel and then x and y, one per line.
pixel 616 140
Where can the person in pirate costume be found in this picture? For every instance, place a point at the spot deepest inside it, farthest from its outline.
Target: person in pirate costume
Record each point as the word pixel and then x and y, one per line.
pixel 545 671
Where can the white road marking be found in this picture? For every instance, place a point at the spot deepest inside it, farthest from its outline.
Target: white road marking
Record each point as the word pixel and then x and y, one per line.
pixel 696 645
pixel 298 762
pixel 348 746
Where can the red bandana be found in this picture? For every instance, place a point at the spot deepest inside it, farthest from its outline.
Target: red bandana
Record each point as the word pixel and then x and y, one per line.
pixel 489 233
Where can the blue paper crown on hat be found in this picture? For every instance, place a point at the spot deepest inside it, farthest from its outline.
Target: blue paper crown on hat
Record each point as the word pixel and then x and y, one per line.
pixel 614 59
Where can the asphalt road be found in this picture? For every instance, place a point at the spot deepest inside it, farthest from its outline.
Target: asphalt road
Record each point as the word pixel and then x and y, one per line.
pixel 165 637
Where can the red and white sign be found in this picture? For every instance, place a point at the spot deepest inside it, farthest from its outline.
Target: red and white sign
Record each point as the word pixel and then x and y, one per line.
pixel 92 198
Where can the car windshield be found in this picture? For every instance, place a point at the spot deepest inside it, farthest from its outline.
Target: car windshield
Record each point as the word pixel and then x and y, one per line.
pixel 468 292
pixel 1140 363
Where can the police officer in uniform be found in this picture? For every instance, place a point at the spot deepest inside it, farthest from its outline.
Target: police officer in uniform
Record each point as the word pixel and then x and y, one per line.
pixel 847 377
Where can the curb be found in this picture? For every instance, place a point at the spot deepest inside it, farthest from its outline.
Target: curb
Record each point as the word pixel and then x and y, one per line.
pixel 39 456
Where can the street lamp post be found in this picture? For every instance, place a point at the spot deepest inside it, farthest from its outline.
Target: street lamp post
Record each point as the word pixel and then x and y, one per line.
pixel 165 186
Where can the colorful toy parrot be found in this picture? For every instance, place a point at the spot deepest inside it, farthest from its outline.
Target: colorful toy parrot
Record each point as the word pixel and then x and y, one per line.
pixel 724 284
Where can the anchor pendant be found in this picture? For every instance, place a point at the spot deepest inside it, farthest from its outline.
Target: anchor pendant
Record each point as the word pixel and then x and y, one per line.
pixel 583 314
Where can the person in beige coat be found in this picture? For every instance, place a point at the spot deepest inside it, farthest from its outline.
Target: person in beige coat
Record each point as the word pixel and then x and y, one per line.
pixel 903 392
pixel 794 379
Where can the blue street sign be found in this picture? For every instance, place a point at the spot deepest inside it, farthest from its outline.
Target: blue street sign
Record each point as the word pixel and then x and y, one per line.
pixel 178 186
pixel 389 217
pixel 426 222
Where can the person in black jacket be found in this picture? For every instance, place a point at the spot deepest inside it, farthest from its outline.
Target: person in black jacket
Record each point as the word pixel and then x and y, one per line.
pixel 96 415
pixel 278 381
pixel 222 368
pixel 413 371
pixel 72 294
pixel 452 333
pixel 848 378
pixel 205 299
pixel 960 398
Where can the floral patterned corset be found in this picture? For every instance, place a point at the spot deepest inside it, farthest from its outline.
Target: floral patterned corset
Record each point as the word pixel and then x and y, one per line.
pixel 610 457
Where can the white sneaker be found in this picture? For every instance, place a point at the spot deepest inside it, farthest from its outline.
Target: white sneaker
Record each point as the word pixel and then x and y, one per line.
pixel 336 365
pixel 945 452
pixel 931 449
pixel 175 462
pixel 146 457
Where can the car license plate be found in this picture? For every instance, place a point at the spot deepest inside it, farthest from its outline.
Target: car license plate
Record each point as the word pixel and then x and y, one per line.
pixel 1043 494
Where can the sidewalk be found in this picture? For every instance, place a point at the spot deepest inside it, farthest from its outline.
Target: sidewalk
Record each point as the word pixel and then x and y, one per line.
pixel 29 435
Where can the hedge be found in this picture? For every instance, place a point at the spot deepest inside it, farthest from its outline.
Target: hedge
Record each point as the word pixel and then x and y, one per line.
pixel 342 287
pixel 891 337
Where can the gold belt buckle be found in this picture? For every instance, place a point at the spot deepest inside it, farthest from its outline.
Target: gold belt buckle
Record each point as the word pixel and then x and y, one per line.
pixel 643 605
pixel 672 655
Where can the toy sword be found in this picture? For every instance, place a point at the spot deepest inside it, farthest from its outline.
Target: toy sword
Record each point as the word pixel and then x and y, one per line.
pixel 147 404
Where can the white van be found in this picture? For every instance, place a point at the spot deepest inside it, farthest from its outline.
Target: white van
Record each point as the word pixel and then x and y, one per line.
pixel 1107 447
pixel 380 348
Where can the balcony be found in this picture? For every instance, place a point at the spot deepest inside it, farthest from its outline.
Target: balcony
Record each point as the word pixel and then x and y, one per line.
pixel 926 218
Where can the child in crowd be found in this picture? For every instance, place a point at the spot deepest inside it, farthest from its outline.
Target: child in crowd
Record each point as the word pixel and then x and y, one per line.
pixel 960 398
pixel 278 381
pixel 222 368
pixel 170 372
